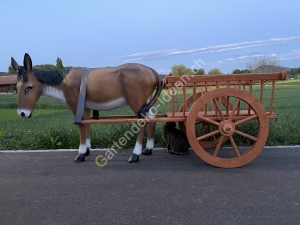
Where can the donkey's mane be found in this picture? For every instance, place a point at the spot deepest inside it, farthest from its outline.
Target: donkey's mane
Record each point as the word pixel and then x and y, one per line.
pixel 51 77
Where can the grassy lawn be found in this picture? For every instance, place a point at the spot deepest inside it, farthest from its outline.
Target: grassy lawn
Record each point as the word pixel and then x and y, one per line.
pixel 11 101
pixel 50 127
pixel 11 114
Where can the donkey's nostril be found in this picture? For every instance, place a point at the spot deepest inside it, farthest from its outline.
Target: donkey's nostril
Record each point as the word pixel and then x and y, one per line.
pixel 22 114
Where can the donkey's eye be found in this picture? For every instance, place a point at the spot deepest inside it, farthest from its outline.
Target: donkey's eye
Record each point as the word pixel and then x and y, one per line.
pixel 27 89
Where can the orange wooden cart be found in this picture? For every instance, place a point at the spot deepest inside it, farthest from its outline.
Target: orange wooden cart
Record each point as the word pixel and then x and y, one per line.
pixel 217 112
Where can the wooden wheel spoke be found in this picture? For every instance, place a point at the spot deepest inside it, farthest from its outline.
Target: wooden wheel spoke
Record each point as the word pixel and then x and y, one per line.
pixel 209 126
pixel 208 120
pixel 246 135
pixel 234 147
pixel 219 109
pixel 208 135
pixel 219 146
pixel 234 109
pixel 210 105
pixel 202 129
pixel 245 120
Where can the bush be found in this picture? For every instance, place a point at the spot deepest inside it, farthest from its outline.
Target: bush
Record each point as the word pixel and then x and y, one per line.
pixel 214 71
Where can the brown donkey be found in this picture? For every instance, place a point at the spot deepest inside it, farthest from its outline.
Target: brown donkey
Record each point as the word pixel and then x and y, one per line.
pixel 106 88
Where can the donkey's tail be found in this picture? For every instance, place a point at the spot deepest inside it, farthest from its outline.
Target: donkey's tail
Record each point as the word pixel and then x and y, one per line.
pixel 146 107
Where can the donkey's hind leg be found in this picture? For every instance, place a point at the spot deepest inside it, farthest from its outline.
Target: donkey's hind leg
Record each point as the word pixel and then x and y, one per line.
pixel 150 137
pixel 138 146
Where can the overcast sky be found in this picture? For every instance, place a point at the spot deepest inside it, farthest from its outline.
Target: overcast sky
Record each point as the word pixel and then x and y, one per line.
pixel 158 33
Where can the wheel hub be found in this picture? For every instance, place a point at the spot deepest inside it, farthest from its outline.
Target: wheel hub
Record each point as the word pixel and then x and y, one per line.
pixel 226 128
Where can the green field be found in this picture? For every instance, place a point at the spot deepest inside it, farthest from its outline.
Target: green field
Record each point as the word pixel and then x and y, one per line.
pixel 11 101
pixel 11 114
pixel 51 127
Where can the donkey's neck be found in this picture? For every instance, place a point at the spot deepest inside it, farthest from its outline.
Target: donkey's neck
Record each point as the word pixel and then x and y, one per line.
pixel 54 92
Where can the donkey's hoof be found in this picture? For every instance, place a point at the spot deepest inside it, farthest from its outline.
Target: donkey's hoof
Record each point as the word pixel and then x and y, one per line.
pixel 133 158
pixel 80 158
pixel 147 152
pixel 87 152
pixel 171 151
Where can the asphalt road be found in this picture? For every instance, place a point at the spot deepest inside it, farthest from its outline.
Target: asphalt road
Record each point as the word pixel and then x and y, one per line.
pixel 49 188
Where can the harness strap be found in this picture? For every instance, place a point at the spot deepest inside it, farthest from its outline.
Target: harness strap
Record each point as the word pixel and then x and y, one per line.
pixel 81 97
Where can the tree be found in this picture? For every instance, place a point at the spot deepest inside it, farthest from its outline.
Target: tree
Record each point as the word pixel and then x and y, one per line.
pixel 45 67
pixel 59 64
pixel 39 67
pixel 200 71
pixel 180 69
pixel 293 73
pixel 11 70
pixel 264 64
pixel 214 71
pixel 238 71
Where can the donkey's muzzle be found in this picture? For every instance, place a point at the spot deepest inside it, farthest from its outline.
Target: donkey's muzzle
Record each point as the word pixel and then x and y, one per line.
pixel 24 113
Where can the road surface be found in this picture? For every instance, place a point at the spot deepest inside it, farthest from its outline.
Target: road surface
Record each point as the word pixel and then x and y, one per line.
pixel 49 188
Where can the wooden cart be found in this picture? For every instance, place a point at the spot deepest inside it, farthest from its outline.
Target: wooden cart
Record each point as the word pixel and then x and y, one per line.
pixel 217 112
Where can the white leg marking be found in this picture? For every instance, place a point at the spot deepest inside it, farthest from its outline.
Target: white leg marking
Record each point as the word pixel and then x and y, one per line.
pixel 88 143
pixel 26 112
pixel 82 148
pixel 137 148
pixel 150 143
pixel 150 114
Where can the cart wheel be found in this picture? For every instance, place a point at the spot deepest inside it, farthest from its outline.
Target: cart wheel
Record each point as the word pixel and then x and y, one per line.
pixel 247 114
pixel 203 127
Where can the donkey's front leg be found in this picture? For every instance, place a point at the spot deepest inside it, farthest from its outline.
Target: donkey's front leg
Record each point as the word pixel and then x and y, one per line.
pixel 138 146
pixel 88 139
pixel 82 147
pixel 85 141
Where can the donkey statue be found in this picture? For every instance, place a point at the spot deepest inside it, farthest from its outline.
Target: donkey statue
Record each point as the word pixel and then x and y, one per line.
pixel 106 88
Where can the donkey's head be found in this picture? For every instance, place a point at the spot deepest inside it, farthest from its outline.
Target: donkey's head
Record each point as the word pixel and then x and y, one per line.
pixel 29 88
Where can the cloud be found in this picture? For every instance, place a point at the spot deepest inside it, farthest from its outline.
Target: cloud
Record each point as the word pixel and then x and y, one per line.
pixel 239 59
pixel 237 54
pixel 138 56
pixel 133 59
pixel 295 54
pixel 210 49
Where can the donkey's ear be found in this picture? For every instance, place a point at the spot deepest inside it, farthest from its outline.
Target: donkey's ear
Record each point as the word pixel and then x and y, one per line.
pixel 14 64
pixel 27 62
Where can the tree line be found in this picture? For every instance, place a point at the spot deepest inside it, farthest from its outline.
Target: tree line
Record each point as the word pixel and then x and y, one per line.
pixel 263 64
pixel 58 66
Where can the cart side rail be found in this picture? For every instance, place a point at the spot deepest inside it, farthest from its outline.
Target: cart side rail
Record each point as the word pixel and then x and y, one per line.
pixel 225 78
